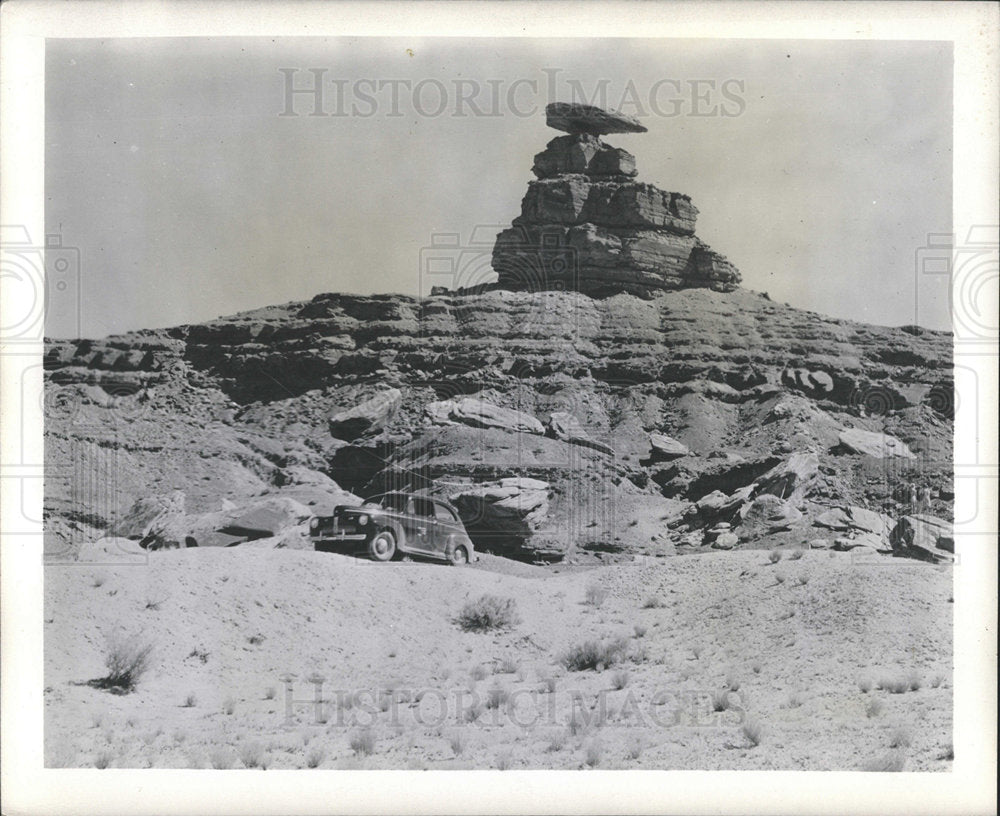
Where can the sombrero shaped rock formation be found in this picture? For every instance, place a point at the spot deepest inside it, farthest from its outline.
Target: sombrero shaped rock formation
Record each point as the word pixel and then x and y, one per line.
pixel 586 224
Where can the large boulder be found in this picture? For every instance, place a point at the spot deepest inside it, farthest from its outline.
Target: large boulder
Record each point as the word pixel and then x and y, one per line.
pixel 769 514
pixel 367 416
pixel 665 447
pixel 505 515
pixel 863 541
pixel 872 443
pixel 925 537
pixel 565 426
pixel 153 520
pixel 790 479
pixel 481 414
pixel 850 517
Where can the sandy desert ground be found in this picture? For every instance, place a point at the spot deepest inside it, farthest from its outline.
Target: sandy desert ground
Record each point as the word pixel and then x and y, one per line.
pixel 822 661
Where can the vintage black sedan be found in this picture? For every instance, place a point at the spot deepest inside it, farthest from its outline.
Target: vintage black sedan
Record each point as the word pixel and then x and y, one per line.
pixel 391 524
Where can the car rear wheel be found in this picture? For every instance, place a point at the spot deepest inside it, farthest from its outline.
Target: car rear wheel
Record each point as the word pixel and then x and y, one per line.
pixel 459 556
pixel 382 547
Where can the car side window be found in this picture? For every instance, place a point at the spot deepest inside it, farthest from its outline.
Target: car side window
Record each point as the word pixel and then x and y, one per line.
pixel 423 507
pixel 443 513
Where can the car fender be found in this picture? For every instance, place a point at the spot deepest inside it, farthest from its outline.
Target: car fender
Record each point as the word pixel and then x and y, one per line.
pixel 456 540
pixel 381 523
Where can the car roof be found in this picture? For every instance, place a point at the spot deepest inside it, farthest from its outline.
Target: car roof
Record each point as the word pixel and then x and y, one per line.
pixel 447 504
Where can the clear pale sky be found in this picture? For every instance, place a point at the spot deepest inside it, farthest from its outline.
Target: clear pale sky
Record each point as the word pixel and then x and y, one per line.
pixel 189 196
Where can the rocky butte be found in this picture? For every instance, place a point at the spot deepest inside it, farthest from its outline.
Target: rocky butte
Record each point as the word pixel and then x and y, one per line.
pixel 588 225
pixel 614 394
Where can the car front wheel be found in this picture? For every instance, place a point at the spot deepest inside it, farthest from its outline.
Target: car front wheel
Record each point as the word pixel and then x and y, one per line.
pixel 382 547
pixel 459 556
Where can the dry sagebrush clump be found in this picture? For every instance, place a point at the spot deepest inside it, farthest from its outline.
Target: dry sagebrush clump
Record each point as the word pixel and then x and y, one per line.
pixel 126 659
pixel 594 655
pixel 488 613
pixel 363 742
pixel 595 595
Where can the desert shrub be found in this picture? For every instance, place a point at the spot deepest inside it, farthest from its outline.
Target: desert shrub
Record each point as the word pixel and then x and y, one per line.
pixel 155 602
pixel 889 762
pixel 504 761
pixel 488 613
pixel 473 713
pixel 457 742
pixel 900 738
pixel 595 595
pixel 779 578
pixel 619 680
pixel 803 579
pixel 496 697
pixel 640 630
pixel 874 708
pixel 315 758
pixel 363 742
pixel 756 666
pixel 126 660
pixel 865 684
pixel 795 700
pixel 592 654
pixel 103 760
pixel 733 682
pixel 633 747
pixel 937 680
pixel 894 685
pixel 478 672
pixel 753 732
pixel 795 555
pixel 720 700
pixel 639 653
pixel 774 556
pixel 949 752
pixel 98 580
pixel 252 755
pixel 190 701
pixel 270 693
pixel 592 753
pixel 914 681
pixel 507 665
pixel 653 602
pixel 548 685
pixel 228 706
pixel 557 741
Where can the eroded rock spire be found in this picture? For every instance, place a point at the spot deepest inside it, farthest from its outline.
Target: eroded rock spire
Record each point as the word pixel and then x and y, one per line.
pixel 586 224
